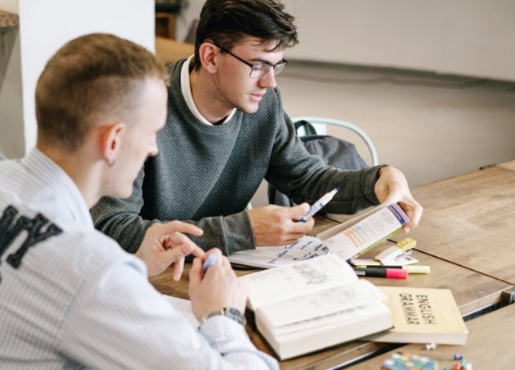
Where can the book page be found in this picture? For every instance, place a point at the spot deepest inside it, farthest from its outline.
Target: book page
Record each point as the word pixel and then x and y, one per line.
pixel 373 228
pixel 352 237
pixel 349 298
pixel 348 221
pixel 305 248
pixel 273 285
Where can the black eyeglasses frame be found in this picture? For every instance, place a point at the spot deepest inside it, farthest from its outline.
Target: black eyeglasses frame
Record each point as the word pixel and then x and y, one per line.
pixel 260 68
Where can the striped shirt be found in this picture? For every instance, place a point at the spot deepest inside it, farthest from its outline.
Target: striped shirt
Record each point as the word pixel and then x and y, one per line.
pixel 71 298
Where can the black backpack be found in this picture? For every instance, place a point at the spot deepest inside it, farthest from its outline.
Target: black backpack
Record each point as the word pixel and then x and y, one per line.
pixel 335 152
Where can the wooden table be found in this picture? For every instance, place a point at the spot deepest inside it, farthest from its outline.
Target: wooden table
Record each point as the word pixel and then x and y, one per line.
pixel 469 220
pixel 473 292
pixel 489 345
pixel 170 51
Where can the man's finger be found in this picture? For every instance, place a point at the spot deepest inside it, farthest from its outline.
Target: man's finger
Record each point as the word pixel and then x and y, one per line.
pixel 301 228
pixel 182 227
pixel 195 276
pixel 177 239
pixel 185 244
pixel 300 210
pixel 178 268
pixel 197 251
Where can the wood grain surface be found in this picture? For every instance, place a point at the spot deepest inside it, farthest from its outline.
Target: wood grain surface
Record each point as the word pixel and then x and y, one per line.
pixel 470 220
pixel 473 292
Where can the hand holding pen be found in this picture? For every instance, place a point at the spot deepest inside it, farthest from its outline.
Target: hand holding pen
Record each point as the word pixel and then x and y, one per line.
pixel 214 285
pixel 166 244
pixel 274 225
pixel 317 206
pixel 208 262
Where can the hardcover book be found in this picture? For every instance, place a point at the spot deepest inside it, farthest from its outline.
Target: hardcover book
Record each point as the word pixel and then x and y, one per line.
pixel 423 315
pixel 314 304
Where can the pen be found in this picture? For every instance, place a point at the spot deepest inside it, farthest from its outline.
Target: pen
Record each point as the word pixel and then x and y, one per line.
pixel 388 273
pixel 208 262
pixel 412 269
pixel 317 206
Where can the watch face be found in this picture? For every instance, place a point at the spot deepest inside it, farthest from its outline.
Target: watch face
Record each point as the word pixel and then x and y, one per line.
pixel 235 314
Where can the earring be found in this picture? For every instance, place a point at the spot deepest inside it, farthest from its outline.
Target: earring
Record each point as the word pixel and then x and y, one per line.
pixel 111 162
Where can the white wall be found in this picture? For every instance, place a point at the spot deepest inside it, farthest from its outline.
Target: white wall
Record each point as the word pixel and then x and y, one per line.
pixel 11 105
pixel 43 30
pixel 462 37
pixel 9 6
pixel 189 11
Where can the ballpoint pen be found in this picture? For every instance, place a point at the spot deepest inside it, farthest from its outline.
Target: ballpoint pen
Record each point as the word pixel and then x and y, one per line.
pixel 208 262
pixel 317 206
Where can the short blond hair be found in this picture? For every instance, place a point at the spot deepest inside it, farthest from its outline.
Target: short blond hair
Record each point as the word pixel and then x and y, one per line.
pixel 93 77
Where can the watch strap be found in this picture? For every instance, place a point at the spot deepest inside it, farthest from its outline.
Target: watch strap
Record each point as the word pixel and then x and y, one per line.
pixel 230 312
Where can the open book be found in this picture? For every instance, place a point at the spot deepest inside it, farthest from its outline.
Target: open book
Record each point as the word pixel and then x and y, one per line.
pixel 423 315
pixel 348 239
pixel 304 307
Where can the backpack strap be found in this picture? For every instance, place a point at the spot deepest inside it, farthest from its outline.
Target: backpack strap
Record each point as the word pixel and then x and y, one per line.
pixel 308 127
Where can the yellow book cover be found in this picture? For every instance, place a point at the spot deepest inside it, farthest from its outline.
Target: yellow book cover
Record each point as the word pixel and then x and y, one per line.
pixel 422 315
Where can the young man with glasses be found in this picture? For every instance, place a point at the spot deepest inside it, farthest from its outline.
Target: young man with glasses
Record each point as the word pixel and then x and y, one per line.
pixel 226 132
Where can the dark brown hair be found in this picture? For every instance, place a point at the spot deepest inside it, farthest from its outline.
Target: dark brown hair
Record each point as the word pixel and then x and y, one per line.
pixel 227 22
pixel 92 78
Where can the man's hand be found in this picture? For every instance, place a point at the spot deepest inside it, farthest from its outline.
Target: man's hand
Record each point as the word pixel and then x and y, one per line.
pixel 165 244
pixel 219 287
pixel 275 225
pixel 392 186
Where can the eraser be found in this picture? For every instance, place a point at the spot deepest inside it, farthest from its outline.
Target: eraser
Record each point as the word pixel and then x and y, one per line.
pixel 406 244
pixel 418 269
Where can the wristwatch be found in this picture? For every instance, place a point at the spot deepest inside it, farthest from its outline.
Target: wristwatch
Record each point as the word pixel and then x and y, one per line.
pixel 230 312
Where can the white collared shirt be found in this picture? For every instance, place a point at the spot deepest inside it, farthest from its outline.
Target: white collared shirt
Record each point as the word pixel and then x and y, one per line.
pixel 78 300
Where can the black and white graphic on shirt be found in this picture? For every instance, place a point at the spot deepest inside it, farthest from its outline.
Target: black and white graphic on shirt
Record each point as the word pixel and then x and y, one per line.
pixel 38 229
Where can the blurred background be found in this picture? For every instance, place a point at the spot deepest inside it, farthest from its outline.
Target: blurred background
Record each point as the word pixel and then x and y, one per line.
pixel 431 82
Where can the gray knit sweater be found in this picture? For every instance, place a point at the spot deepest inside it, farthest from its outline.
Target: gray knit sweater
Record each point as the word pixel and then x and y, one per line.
pixel 207 175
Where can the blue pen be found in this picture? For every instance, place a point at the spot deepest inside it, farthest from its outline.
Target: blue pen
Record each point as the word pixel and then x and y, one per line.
pixel 317 206
pixel 208 262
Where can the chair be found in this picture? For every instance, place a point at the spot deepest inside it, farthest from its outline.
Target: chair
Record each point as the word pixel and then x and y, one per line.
pixel 335 152
pixel 328 121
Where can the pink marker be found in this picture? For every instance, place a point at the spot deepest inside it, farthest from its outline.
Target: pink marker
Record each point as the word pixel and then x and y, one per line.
pixel 389 273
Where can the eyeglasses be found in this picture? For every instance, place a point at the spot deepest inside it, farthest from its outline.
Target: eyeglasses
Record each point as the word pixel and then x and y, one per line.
pixel 259 70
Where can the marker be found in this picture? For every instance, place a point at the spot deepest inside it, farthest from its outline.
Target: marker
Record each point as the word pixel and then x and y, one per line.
pixel 208 262
pixel 386 273
pixel 317 206
pixel 412 269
